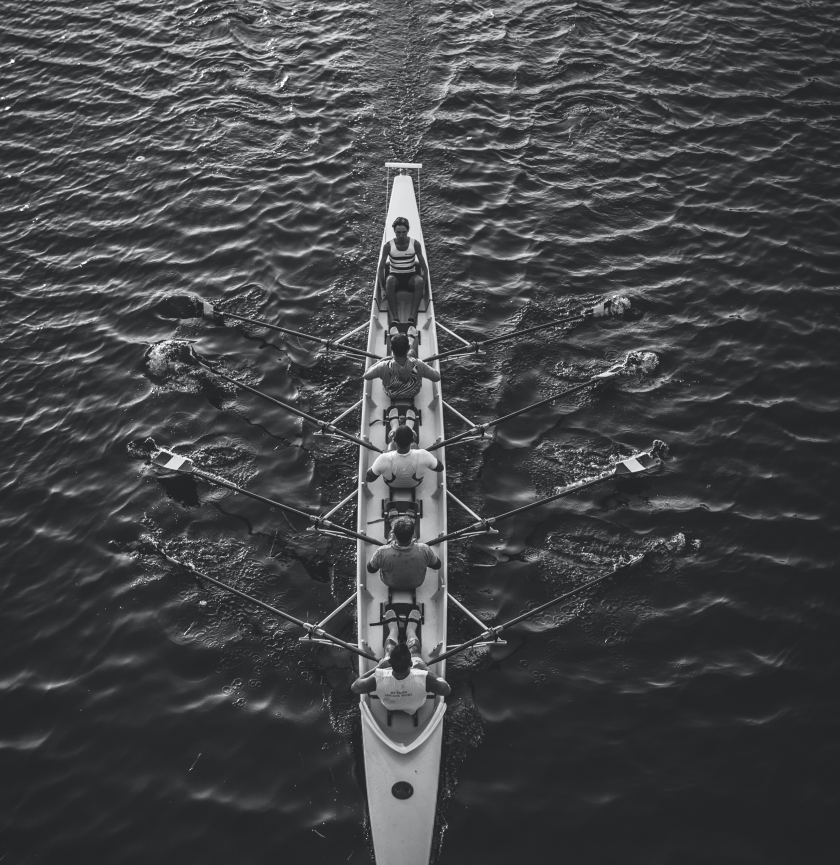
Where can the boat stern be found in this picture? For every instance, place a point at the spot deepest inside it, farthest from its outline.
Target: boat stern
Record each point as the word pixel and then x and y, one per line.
pixel 402 787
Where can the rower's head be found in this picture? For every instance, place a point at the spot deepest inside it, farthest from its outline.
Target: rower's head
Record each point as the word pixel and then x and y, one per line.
pixel 403 438
pixel 400 658
pixel 400 226
pixel 403 530
pixel 399 345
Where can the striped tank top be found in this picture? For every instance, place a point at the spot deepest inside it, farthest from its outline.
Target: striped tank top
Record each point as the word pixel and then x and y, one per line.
pixel 401 260
pixel 401 381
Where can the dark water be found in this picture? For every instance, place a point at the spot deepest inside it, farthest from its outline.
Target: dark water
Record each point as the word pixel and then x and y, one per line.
pixel 684 153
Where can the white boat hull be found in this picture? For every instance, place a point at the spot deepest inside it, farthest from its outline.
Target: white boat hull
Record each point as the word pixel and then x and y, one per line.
pixel 401 753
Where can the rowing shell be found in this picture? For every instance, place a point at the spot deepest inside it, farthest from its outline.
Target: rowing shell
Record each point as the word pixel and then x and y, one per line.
pixel 401 753
pixel 402 760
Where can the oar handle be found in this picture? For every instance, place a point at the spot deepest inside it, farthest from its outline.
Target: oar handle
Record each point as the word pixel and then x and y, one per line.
pixel 336 527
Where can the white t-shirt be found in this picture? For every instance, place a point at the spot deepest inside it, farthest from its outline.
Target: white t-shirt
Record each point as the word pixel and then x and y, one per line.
pixel 401 469
pixel 401 695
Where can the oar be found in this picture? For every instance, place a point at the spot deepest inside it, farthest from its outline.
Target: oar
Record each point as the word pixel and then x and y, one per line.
pixel 312 630
pixel 324 426
pixel 632 359
pixel 612 307
pixel 493 632
pixel 642 462
pixel 189 306
pixel 167 459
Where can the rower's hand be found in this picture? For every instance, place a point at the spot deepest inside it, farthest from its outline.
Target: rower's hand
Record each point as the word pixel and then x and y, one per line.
pixel 384 664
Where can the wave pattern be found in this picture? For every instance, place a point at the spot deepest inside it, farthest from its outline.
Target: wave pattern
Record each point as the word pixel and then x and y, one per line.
pixel 685 154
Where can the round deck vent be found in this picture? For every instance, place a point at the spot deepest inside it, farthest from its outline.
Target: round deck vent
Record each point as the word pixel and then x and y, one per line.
pixel 402 790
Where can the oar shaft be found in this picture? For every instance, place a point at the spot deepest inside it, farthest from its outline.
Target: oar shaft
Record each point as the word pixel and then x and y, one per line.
pixel 221 482
pixel 480 428
pixel 553 603
pixel 641 462
pixel 475 528
pixel 557 321
pixel 321 424
pixel 312 629
pixel 475 347
pixel 492 633
pixel 343 530
pixel 559 395
pixel 178 463
pixel 330 343
pixel 490 521
pixel 572 488
pixel 481 638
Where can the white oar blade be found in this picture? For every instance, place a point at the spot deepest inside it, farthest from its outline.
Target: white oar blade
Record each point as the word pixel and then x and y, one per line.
pixel 639 463
pixel 167 460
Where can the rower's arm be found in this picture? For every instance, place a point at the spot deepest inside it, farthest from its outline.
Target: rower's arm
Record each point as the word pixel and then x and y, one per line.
pixel 438 467
pixel 435 565
pixel 424 268
pixel 365 684
pixel 383 262
pixel 436 685
pixel 371 476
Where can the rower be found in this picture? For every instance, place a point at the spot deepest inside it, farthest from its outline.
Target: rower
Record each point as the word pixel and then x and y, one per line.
pixel 402 267
pixel 400 467
pixel 402 563
pixel 401 682
pixel 402 374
